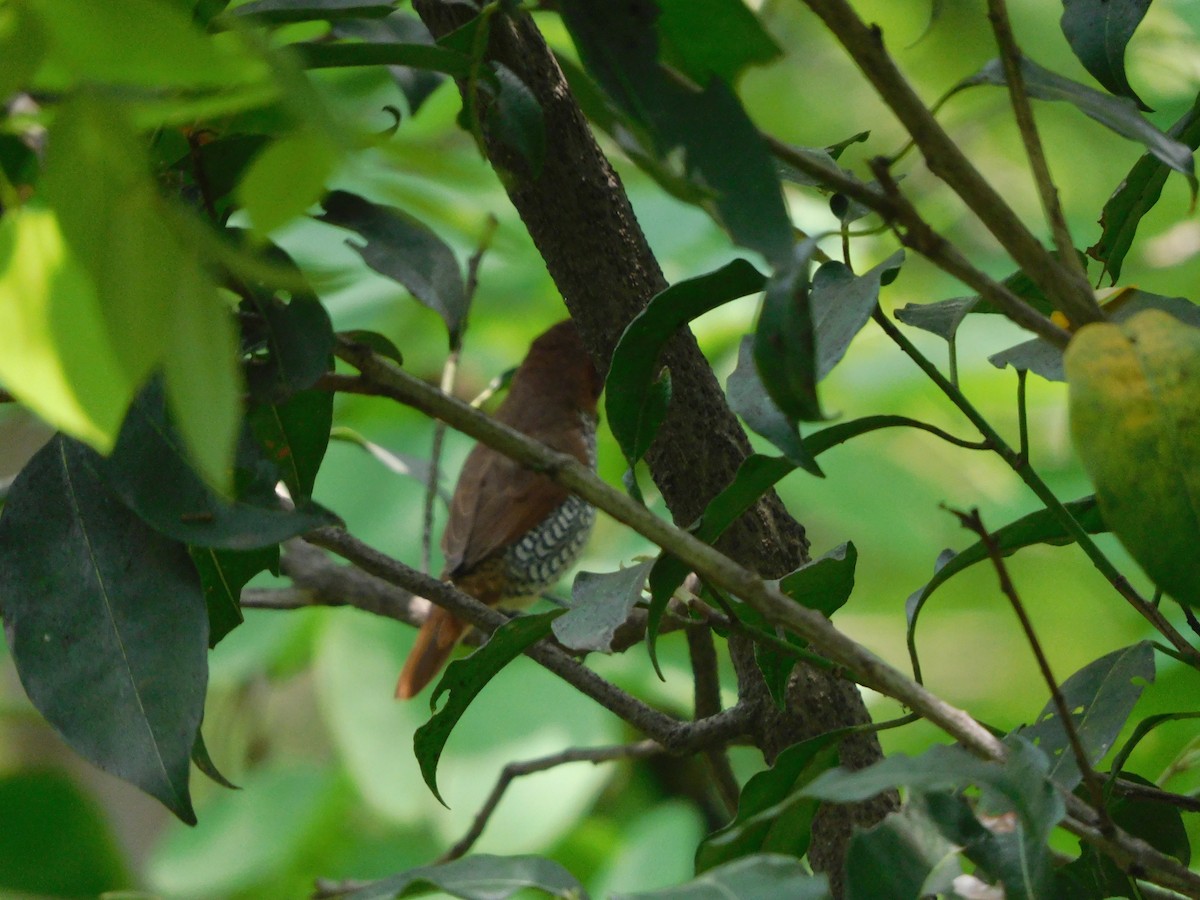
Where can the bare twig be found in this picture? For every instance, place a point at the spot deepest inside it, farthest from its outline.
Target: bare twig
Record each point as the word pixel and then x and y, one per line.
pixel 707 681
pixel 516 770
pixel 974 523
pixel 1065 288
pixel 1010 59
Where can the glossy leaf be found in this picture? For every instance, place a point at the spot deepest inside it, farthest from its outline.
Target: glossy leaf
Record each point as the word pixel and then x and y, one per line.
pixel 403 249
pixel 1119 114
pixel 1136 195
pixel 1134 401
pixel 785 348
pixel 151 473
pixel 223 574
pixel 766 876
pixel 1101 696
pixel 478 877
pixel 1098 32
pixel 106 622
pixel 772 816
pixel 465 678
pixel 635 407
pixel 825 583
pixel 600 604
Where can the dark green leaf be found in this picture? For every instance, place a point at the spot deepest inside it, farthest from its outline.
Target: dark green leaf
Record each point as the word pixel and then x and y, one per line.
pixel 1093 874
pixel 380 343
pixel 417 56
pixel 772 816
pixel 712 38
pixel 478 877
pixel 280 11
pixel 767 876
pixel 842 303
pixel 223 574
pixel 1101 697
pixel 1136 196
pixel 416 83
pixel 619 48
pixel 515 117
pixel 294 436
pixel 465 678
pixel 106 622
pixel 298 337
pixel 635 408
pixel 1143 728
pixel 1040 527
pixel 1120 114
pixel 63 846
pixel 205 764
pixel 785 349
pixel 825 583
pixel 221 163
pixel 1158 824
pixel 1046 360
pixel 600 604
pixel 1098 31
pixel 404 250
pixel 749 399
pixel 903 856
pixel 151 474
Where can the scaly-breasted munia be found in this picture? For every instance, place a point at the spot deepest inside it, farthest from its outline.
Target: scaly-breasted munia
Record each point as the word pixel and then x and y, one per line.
pixel 512 531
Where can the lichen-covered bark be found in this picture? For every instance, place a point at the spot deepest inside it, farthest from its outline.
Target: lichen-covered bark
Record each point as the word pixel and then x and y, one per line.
pixel 580 218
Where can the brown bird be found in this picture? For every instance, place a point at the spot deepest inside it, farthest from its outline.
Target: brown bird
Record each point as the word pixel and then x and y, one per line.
pixel 512 531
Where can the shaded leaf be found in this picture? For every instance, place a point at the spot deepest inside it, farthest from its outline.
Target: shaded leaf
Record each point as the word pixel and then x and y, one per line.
pixel 349 55
pixel 1119 114
pixel 205 764
pixel 766 876
pixel 515 117
pixel 478 877
pixel 294 436
pixel 901 857
pixel 600 604
pixel 1098 32
pixel 635 407
pixel 405 250
pixel 842 303
pixel 1133 397
pixel 1100 696
pixel 106 622
pixel 785 350
pixel 1143 728
pixel 772 816
pixel 415 82
pixel 280 11
pixel 465 678
pixel 380 343
pixel 749 399
pixel 712 38
pixel 825 583
pixel 223 574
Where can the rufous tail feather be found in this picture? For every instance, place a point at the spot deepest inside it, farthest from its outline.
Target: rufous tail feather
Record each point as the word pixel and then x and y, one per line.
pixel 435 642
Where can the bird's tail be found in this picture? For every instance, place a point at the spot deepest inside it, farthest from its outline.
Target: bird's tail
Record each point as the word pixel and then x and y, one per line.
pixel 435 643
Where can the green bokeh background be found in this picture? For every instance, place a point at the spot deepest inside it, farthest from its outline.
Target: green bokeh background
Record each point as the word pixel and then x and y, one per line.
pixel 300 713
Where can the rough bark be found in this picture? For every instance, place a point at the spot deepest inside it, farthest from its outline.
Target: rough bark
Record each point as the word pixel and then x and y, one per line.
pixel 580 219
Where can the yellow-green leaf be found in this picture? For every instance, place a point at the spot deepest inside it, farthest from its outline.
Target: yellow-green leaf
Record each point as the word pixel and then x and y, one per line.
pixel 55 356
pixel 286 179
pixel 1135 420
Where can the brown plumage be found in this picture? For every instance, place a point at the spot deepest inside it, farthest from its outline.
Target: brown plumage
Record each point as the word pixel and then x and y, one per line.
pixel 512 531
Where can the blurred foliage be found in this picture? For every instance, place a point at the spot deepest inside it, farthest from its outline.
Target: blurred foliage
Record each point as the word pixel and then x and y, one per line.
pixel 299 711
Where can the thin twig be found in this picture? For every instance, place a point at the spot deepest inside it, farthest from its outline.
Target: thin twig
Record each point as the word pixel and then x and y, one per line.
pixel 973 522
pixel 707 691
pixel 516 770
pixel 1010 59
pixel 1066 290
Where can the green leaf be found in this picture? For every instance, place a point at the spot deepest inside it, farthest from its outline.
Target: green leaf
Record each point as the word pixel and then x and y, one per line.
pixel 1133 397
pixel 1100 697
pixel 223 574
pixel 405 250
pixel 1098 31
pixel 1119 114
pixel 22 46
pixel 772 816
pixel 1159 825
pixel 618 45
pixel 1143 728
pixel 277 12
pixel 390 53
pixel 63 847
pixel 785 350
pixel 55 356
pixel 515 117
pixel 299 341
pixel 294 436
pixel 478 877
pixel 901 857
pixel 286 178
pixel 106 622
pixel 465 678
pixel 634 406
pixel 712 38
pixel 150 472
pixel 1136 195
pixel 206 765
pixel 600 604
pixel 416 82
pixel 842 303
pixel 749 399
pixel 825 583
pixel 766 876
pixel 380 343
